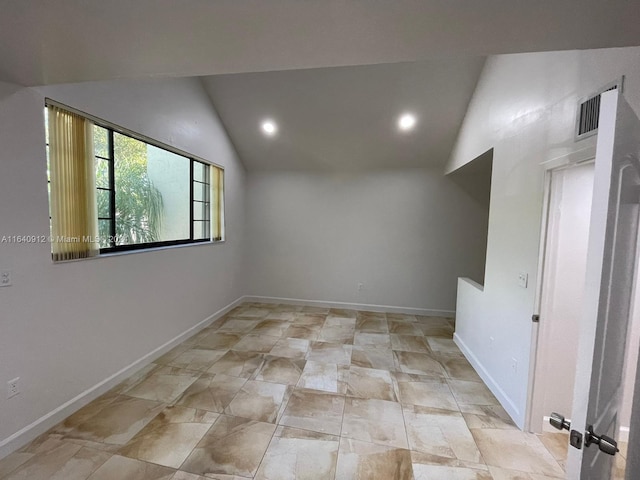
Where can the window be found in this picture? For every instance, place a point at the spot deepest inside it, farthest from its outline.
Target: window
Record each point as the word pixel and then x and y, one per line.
pixel 112 190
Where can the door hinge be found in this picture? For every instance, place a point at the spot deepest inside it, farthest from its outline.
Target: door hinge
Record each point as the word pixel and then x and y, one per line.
pixel 535 318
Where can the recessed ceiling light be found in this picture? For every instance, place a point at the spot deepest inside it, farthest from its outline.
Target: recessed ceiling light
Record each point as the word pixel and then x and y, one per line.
pixel 406 122
pixel 269 128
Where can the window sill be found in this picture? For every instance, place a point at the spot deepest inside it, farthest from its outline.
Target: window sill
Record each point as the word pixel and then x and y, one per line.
pixel 140 250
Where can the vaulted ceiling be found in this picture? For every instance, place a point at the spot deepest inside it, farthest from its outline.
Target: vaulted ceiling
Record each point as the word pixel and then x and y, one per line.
pixel 346 117
pixel 334 74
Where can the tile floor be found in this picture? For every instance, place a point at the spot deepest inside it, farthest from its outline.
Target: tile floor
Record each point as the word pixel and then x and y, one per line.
pixel 290 392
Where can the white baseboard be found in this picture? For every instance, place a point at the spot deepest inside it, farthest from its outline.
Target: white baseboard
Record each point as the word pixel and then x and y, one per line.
pixel 47 421
pixel 351 306
pixel 502 397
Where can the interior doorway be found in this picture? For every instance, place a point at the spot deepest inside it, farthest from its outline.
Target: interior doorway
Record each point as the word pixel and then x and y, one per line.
pixel 561 296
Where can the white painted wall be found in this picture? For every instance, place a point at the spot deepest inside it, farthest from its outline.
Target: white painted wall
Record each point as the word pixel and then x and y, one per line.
pixel 524 107
pixel 405 234
pixel 65 327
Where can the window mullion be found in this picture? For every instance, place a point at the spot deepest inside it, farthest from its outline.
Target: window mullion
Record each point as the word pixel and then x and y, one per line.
pixel 112 187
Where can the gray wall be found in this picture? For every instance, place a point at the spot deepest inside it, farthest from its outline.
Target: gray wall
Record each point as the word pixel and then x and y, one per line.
pixel 406 234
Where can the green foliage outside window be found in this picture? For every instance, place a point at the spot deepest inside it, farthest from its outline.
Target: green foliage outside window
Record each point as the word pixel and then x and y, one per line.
pixel 139 204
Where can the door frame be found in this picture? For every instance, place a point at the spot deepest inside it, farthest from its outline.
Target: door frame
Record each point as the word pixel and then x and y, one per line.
pixel 585 154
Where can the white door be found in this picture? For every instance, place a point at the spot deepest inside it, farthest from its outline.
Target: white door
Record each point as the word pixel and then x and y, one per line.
pixel 611 262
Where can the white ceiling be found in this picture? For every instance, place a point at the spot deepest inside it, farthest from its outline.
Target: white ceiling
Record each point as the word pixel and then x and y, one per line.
pixel 57 41
pixel 346 117
pixel 336 72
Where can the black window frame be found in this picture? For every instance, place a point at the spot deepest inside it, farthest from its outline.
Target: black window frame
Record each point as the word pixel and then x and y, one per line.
pixel 113 207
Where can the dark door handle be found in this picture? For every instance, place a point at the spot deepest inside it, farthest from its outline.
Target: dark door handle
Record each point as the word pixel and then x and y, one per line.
pixel 606 444
pixel 558 421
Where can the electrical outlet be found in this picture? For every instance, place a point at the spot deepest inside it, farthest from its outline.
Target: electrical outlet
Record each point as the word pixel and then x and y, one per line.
pixel 5 278
pixel 360 286
pixel 13 387
pixel 514 365
pixel 491 342
pixel 523 279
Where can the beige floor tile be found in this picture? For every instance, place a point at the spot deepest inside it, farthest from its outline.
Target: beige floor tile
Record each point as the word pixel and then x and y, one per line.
pixel 319 310
pixel 428 472
pixel 459 368
pixel 401 317
pixel 314 410
pixel 180 349
pixel 118 467
pixel 487 416
pixel 295 348
pixel 409 343
pixel 400 327
pixel 504 474
pixel 367 357
pixel 324 352
pixel 516 450
pixel 370 383
pixel 47 464
pixel 336 321
pixel 188 476
pixel 434 393
pixel 275 314
pixel 134 379
pixel 118 422
pixel 309 319
pixel 85 413
pixel 418 363
pixel 365 315
pixel 238 364
pixel 472 393
pixel 440 432
pixel 233 446
pixel 282 370
pixel 272 328
pixel 199 359
pixel 436 330
pixel 259 311
pixel 359 460
pixel 218 341
pixel 442 345
pixel 556 443
pixel 372 325
pixel 256 344
pixel 170 437
pixel 433 321
pixel 11 462
pixel 164 385
pixel 211 392
pixel 337 334
pixel 260 401
pixel 306 332
pixel 237 325
pixel 427 467
pixel 376 340
pixel 321 376
pixel 342 312
pixel 374 421
pixel 299 454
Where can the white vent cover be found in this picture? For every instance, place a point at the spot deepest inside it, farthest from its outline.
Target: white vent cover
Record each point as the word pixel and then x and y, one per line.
pixel 589 111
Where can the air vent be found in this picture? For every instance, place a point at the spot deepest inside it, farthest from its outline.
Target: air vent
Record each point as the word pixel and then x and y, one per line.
pixel 589 111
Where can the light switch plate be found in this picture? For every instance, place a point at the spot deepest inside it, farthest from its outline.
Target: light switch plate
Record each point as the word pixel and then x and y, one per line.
pixel 523 279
